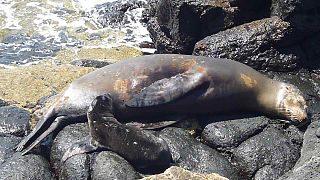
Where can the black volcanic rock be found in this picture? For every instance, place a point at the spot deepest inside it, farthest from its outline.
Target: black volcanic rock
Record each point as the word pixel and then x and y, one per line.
pixel 267 155
pixel 258 44
pixel 308 166
pixel 229 134
pixel 109 165
pixel 76 167
pixel 14 120
pixel 175 26
pixel 28 167
pixel 192 155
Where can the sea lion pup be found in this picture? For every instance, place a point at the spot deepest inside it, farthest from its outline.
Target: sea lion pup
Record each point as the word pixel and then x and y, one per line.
pixel 157 85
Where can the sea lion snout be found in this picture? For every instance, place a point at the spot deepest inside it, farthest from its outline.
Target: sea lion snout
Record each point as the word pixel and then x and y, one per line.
pixel 291 103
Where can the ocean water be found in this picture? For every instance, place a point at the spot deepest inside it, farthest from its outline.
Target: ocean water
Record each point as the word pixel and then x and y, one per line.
pixel 31 31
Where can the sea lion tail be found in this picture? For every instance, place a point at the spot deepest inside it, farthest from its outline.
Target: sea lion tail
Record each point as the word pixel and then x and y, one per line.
pixel 41 131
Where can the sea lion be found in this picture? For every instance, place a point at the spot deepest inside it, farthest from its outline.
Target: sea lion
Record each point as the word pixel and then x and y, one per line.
pixel 171 84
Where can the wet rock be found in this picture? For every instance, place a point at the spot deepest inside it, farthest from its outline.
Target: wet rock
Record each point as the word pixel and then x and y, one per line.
pixel 7 147
pixel 113 14
pixel 109 165
pixel 192 155
pixel 76 167
pixel 175 26
pixel 302 14
pixel 267 155
pixel 229 134
pixel 258 44
pixel 14 120
pixel 178 173
pixel 90 63
pixel 28 167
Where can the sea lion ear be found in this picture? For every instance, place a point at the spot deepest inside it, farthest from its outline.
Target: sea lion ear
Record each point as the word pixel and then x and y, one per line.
pixel 168 89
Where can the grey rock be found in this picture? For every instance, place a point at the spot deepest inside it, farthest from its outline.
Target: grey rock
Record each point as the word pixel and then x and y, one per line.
pixel 258 44
pixel 14 120
pixel 7 147
pixel 28 167
pixel 76 167
pixel 267 155
pixel 109 165
pixel 90 63
pixel 192 155
pixel 311 145
pixel 175 26
pixel 229 134
pixel 308 166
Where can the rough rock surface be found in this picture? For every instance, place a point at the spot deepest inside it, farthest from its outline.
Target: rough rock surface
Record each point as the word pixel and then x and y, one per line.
pixel 267 155
pixel 192 155
pixel 177 173
pixel 109 165
pixel 258 44
pixel 308 166
pixel 28 167
pixel 77 167
pixel 229 134
pixel 14 120
pixel 175 26
pixel 103 165
pixel 7 145
pixel 112 14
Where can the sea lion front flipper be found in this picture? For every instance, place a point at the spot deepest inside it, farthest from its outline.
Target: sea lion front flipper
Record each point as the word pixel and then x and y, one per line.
pixel 84 146
pixel 168 89
pixel 156 122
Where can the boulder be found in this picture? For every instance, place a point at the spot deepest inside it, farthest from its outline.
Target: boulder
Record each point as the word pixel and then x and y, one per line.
pixel 76 167
pixel 229 134
pixel 267 155
pixel 7 147
pixel 175 26
pixel 14 120
pixel 109 165
pixel 192 155
pixel 264 45
pixel 27 167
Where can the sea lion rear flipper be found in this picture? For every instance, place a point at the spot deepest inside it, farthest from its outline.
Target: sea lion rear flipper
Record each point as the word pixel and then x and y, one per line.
pixel 168 89
pixel 43 135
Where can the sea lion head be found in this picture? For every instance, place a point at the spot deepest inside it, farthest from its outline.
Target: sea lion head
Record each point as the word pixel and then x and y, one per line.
pixel 291 104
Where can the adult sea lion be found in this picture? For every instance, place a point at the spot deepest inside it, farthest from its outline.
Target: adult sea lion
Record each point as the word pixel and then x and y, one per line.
pixel 167 85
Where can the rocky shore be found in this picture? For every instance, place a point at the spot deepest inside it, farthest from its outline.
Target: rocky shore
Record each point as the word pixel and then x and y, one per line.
pixel 278 38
